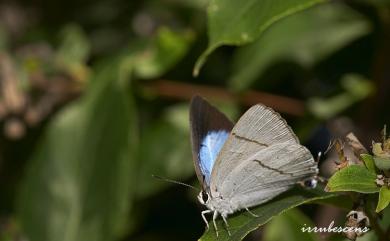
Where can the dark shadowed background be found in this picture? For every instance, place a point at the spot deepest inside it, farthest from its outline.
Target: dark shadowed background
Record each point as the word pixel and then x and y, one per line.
pixel 94 100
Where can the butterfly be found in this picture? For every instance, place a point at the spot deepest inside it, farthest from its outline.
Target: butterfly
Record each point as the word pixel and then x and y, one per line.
pixel 243 165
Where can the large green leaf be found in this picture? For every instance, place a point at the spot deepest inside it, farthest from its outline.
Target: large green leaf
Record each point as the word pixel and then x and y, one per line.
pixel 78 183
pixel 292 222
pixel 242 223
pixel 340 201
pixel 306 37
pixel 171 151
pixel 355 178
pixel 232 22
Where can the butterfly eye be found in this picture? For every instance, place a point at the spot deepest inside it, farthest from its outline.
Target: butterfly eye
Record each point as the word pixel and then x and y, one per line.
pixel 205 197
pixel 310 183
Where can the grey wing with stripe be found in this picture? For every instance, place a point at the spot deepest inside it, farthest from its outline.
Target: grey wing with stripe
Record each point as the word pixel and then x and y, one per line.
pixel 259 128
pixel 268 173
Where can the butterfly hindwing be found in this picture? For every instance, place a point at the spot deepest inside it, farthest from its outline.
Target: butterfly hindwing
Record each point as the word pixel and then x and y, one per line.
pixel 268 173
pixel 209 131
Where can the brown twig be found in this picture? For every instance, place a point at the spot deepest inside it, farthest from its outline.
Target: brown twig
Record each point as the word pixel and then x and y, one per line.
pixel 176 90
pixel 10 91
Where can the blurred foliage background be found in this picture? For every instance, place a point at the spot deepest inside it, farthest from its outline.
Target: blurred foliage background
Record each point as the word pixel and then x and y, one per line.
pixel 94 101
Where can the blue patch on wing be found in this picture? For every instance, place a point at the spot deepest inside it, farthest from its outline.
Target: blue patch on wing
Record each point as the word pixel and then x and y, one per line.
pixel 210 147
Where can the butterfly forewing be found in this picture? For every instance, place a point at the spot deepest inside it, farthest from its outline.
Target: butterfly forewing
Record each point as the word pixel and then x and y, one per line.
pixel 209 131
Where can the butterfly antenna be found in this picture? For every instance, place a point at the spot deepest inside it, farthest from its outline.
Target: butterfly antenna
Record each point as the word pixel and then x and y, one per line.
pixel 331 144
pixel 176 182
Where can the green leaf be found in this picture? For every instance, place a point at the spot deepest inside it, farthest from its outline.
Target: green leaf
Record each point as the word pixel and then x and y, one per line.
pixel 74 47
pixel 78 183
pixel 162 53
pixel 356 88
pixel 355 178
pixel 368 162
pixel 242 223
pixel 385 221
pixel 384 199
pixel 233 22
pixel 292 222
pixel 382 163
pixel 306 37
pixel 340 201
pixel 73 52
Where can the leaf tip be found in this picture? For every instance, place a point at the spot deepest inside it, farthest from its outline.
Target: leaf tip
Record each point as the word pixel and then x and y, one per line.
pixel 384 199
pixel 379 208
pixel 198 64
pixel 195 71
pixel 202 59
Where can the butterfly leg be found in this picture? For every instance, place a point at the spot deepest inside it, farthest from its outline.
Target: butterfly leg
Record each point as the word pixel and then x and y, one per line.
pixel 204 217
pixel 251 213
pixel 227 225
pixel 215 224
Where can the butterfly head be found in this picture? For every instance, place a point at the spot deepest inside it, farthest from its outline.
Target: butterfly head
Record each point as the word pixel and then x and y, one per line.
pixel 203 197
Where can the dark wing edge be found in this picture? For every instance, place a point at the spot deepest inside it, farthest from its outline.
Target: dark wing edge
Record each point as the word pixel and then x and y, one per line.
pixel 204 118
